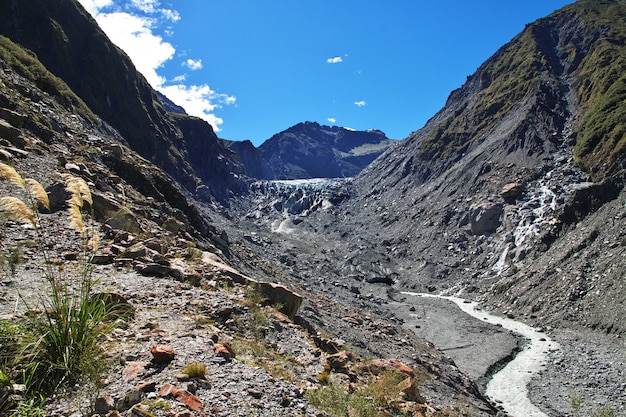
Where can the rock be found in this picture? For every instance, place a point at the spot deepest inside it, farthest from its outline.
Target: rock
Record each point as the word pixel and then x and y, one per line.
pixel 146 386
pixel 410 390
pixel 14 118
pixel 140 412
pixel 379 365
pixel 104 404
pixel 180 272
pixel 156 244
pixel 165 390
pixel 57 196
pixel 116 304
pixel 104 205
pixel 9 132
pixel 181 395
pixel 133 369
pixel 172 225
pixel 289 301
pixel 511 190
pixel 187 398
pixel 131 398
pixel 102 259
pixel 224 350
pixel 136 251
pixel 153 269
pixel 203 192
pixel 162 354
pixel 73 168
pixel 123 219
pixel 338 361
pixel 485 218
pixel 255 393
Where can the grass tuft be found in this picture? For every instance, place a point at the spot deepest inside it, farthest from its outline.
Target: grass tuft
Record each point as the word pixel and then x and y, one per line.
pixel 60 342
pixel 195 370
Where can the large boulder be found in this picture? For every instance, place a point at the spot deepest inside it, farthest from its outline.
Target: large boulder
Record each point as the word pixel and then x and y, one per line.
pixel 485 218
pixel 289 301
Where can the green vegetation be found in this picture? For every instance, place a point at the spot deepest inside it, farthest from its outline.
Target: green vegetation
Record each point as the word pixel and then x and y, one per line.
pixel 602 135
pixel 258 315
pixel 258 353
pixel 28 66
pixel 195 370
pixel 381 395
pixel 507 80
pixel 576 402
pixel 59 342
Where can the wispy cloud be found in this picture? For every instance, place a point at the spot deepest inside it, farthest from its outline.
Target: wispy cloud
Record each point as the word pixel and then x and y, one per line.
pixel 334 60
pixel 332 120
pixel 360 103
pixel 193 64
pixel 132 25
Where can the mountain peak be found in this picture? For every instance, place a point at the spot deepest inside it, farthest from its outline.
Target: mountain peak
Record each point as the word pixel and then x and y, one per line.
pixel 311 150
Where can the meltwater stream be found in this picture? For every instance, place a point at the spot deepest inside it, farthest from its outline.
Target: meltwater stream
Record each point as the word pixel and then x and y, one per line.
pixel 508 387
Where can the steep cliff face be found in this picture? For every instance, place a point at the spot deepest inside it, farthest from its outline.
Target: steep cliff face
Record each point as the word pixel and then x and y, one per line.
pixel 71 45
pixel 309 150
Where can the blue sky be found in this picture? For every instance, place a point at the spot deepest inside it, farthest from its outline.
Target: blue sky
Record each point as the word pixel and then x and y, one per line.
pixel 253 68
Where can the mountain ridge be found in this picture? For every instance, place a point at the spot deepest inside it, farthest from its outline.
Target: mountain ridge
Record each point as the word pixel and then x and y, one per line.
pixel 311 150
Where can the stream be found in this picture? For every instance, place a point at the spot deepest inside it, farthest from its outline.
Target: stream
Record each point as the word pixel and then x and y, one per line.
pixel 508 387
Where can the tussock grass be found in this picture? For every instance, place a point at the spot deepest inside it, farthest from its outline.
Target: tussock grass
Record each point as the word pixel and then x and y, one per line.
pixel 60 341
pixel 195 370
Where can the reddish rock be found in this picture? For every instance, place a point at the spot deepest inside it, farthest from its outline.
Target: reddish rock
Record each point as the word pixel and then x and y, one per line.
pixel 165 390
pixel 391 365
pixel 181 395
pixel 187 398
pixel 104 404
pixel 162 354
pixel 339 360
pixel 410 390
pixel 146 386
pixel 133 370
pixel 224 350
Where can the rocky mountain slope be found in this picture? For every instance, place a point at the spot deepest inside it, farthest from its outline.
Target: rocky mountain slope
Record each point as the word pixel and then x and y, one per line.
pixel 68 42
pixel 308 150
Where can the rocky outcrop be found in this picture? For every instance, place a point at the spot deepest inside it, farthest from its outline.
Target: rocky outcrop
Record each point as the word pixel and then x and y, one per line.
pixel 484 218
pixel 288 301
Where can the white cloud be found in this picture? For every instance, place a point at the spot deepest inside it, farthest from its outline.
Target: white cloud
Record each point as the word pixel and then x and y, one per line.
pixel 360 103
pixel 134 35
pixel 146 6
pixel 334 60
pixel 332 120
pixel 131 25
pixel 198 100
pixel 170 14
pixel 193 64
pixel 94 6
